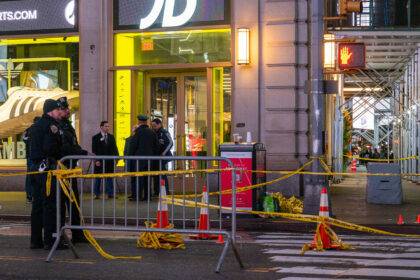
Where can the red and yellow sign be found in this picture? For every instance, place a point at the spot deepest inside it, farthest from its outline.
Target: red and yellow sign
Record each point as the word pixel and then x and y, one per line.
pixel 351 56
pixel 147 45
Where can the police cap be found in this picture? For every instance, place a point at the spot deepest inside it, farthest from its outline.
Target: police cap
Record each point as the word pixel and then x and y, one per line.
pixel 63 101
pixel 50 105
pixel 142 118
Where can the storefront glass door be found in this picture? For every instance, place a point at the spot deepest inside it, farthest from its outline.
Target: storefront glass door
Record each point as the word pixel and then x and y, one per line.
pixel 163 103
pixel 183 115
pixel 196 114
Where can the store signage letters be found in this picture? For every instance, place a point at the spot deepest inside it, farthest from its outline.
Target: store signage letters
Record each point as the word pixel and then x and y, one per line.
pixel 18 15
pixel 169 20
pixel 13 150
pixel 44 16
pixel 156 14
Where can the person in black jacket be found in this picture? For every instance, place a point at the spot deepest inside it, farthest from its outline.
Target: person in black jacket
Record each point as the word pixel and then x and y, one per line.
pixel 104 144
pixel 165 145
pixel 44 152
pixel 143 143
pixel 70 147
pixel 29 180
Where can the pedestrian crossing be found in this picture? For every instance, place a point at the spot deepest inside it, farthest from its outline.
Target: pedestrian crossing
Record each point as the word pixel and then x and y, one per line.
pixel 373 257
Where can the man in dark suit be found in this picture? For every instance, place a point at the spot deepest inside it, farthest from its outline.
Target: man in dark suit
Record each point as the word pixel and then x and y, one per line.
pixel 103 144
pixel 143 143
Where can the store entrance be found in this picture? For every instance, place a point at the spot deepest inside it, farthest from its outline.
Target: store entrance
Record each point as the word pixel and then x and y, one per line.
pixel 180 100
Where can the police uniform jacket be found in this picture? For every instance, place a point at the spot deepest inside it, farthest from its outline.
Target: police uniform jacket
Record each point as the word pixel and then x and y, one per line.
pixel 26 137
pixel 165 142
pixel 70 146
pixel 45 141
pixel 144 143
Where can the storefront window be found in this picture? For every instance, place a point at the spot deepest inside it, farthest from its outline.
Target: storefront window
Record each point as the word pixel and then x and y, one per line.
pixel 222 113
pixel 31 71
pixel 194 46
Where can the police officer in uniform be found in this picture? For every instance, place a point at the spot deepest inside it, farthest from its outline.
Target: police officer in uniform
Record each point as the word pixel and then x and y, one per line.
pixel 143 143
pixel 45 150
pixel 29 181
pixel 165 145
pixel 70 147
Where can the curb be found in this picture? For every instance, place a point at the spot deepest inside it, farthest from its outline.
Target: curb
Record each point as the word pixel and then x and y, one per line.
pixel 264 225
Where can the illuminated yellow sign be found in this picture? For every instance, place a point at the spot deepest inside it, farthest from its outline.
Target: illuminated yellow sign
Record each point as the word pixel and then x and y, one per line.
pixel 122 107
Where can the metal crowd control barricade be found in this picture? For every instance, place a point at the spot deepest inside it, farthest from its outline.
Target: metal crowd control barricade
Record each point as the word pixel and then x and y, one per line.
pixel 116 212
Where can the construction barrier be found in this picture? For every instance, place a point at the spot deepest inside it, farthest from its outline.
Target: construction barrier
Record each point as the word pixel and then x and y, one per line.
pixel 135 214
pixel 121 215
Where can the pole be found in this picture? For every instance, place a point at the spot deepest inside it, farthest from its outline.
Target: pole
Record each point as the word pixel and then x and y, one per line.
pixel 313 184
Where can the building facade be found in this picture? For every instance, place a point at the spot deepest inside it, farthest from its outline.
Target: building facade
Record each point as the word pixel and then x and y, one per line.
pixel 208 68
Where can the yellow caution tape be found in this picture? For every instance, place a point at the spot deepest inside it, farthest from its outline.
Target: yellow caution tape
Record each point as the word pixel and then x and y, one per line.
pixel 318 244
pixel 288 205
pixel 247 188
pixel 160 240
pixel 66 187
pixel 381 160
pixel 296 217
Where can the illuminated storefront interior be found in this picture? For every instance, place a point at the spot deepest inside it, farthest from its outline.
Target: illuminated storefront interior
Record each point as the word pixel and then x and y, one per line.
pixel 182 77
pixel 31 71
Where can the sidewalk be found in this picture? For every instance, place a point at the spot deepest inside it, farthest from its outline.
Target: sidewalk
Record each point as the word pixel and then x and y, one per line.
pixel 348 204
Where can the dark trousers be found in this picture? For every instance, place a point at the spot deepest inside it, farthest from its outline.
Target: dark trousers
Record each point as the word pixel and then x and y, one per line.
pixel 29 180
pixel 109 186
pixel 139 185
pixel 74 214
pixel 156 179
pixel 44 211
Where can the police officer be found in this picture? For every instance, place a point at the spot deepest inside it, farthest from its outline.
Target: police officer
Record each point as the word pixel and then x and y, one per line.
pixel 29 181
pixel 143 143
pixel 165 145
pixel 70 147
pixel 45 150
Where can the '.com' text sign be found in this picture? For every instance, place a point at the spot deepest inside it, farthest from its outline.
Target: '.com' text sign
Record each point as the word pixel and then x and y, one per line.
pixel 41 16
pixel 146 14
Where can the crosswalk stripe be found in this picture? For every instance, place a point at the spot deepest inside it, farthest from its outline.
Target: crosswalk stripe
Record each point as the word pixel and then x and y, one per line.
pixel 352 261
pixel 371 272
pixel 356 254
pixel 374 257
pixel 354 243
pixel 311 278
pixel 347 237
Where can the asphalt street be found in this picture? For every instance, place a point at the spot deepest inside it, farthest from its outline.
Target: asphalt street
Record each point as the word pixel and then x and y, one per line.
pixel 198 261
pixel 267 255
pixel 373 257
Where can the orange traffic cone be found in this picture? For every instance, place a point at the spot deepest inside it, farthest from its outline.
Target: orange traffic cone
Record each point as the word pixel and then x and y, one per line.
pixel 418 219
pixel 400 220
pixel 325 237
pixel 353 165
pixel 162 220
pixel 324 211
pixel 204 223
pixel 220 239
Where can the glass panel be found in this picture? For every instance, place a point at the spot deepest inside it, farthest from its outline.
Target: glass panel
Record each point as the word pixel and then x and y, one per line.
pixel 31 71
pixel 221 110
pixel 163 103
pixel 195 46
pixel 196 115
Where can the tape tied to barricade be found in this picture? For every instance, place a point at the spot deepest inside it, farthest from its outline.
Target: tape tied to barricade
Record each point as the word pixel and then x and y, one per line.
pixel 65 185
pixel 381 159
pixel 290 216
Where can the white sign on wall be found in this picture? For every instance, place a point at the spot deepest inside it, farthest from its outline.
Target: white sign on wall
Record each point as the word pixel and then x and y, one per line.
pixel 364 113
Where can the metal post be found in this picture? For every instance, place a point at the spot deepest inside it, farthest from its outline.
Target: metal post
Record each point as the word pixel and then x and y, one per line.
pixel 314 184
